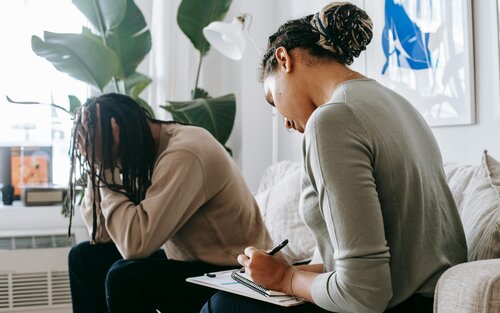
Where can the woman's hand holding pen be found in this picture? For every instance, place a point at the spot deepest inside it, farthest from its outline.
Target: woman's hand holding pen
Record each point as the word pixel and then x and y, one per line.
pixel 272 272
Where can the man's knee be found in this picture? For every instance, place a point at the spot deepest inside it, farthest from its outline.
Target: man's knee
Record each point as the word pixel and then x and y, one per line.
pixel 120 275
pixel 78 253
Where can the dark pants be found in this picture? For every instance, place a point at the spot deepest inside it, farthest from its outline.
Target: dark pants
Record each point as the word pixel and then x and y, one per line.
pixel 102 281
pixel 223 302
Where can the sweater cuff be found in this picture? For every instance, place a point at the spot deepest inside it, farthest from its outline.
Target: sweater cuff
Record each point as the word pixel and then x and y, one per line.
pixel 320 290
pixel 109 196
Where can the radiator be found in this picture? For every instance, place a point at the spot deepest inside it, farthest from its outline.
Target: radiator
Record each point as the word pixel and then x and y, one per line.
pixel 33 259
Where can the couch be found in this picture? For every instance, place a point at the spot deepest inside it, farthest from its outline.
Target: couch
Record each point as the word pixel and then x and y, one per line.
pixel 471 287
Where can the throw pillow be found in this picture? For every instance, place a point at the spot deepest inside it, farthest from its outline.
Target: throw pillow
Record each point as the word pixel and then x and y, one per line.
pixel 476 189
pixel 278 199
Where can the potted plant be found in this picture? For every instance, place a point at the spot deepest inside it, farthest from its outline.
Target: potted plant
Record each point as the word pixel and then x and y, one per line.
pixel 107 56
pixel 214 114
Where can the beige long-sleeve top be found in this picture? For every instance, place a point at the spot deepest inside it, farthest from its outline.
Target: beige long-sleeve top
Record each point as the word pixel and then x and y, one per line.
pixel 198 205
pixel 386 223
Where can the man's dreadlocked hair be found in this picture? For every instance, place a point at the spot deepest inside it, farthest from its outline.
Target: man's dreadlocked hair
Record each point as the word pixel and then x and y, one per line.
pixel 340 31
pixel 135 156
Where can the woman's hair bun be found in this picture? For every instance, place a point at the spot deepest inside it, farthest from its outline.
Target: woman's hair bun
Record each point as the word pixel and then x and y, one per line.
pixel 345 30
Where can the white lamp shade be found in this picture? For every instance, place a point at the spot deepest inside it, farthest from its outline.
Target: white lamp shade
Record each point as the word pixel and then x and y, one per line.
pixel 227 38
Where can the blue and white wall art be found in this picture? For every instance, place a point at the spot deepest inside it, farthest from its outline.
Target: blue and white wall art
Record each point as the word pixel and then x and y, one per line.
pixel 423 50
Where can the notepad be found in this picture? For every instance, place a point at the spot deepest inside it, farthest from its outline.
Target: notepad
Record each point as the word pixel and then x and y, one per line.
pixel 245 280
pixel 224 281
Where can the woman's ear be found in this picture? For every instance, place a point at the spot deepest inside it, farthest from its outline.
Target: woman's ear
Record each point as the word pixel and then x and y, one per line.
pixel 284 59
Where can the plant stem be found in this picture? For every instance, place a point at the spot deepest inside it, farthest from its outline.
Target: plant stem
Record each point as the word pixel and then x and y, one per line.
pixel 104 40
pixel 197 77
pixel 32 102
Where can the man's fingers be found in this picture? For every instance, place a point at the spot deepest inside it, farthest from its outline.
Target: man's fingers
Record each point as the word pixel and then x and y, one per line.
pixel 116 130
pixel 80 139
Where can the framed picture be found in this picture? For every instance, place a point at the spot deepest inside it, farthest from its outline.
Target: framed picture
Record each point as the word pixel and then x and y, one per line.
pixel 424 51
pixel 30 166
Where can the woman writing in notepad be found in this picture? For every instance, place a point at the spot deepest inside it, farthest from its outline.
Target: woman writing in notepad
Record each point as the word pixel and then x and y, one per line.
pixel 386 224
pixel 154 184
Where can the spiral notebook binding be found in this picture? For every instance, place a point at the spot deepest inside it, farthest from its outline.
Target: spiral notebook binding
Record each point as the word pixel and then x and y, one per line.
pixel 250 284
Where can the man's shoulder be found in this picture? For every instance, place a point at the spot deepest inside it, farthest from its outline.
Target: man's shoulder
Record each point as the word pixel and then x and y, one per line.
pixel 193 140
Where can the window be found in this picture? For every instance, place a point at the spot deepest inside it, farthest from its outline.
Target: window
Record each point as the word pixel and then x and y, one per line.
pixel 24 76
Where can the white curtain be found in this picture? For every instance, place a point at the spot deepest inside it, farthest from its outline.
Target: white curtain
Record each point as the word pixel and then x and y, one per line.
pixel 173 60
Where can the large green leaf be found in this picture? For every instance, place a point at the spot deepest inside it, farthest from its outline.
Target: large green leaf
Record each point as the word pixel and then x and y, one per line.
pixel 82 57
pixel 103 14
pixel 131 40
pixel 146 107
pixel 193 15
pixel 136 83
pixel 214 114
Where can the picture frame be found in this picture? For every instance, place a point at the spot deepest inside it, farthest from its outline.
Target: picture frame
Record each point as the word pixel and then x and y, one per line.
pixel 423 50
pixel 29 167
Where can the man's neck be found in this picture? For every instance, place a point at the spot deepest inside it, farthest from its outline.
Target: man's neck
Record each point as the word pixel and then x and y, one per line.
pixel 155 132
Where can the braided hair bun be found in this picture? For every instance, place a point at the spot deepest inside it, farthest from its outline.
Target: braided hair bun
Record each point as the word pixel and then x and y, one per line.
pixel 345 30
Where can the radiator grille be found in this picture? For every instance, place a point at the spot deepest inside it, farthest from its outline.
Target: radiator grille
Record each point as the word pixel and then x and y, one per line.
pixel 4 291
pixel 42 289
pixel 36 242
pixel 30 289
pixel 61 293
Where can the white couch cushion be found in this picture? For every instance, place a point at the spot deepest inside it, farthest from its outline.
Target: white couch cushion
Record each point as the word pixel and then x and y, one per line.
pixel 476 189
pixel 278 199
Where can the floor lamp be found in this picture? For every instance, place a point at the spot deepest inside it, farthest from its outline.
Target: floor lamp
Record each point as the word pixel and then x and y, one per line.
pixel 229 40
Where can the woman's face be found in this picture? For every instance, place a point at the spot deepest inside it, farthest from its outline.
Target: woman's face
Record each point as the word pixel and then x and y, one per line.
pixel 290 98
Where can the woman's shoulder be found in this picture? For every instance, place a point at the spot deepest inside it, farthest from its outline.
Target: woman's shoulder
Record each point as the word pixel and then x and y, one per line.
pixel 332 115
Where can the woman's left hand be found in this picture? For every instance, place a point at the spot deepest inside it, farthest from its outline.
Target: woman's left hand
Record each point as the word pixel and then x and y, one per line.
pixel 265 270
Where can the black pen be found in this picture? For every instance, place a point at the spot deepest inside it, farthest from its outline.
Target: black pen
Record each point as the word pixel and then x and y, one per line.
pixel 278 247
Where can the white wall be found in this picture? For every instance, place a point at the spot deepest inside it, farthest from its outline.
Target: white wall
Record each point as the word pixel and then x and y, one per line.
pixel 252 138
pixel 464 144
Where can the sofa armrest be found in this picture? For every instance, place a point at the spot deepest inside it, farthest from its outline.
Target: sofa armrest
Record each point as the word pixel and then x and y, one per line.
pixel 472 287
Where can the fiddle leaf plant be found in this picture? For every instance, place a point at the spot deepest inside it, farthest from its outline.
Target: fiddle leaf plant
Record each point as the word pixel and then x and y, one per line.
pixel 107 55
pixel 214 114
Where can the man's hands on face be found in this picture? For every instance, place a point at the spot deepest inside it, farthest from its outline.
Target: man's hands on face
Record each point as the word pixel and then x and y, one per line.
pixel 82 131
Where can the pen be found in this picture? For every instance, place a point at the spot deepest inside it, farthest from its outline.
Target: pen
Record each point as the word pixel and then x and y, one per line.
pixel 278 247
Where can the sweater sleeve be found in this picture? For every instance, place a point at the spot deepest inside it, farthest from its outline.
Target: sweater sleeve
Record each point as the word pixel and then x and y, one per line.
pixel 339 159
pixel 102 235
pixel 177 191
